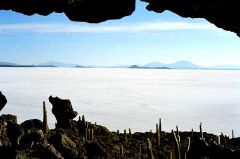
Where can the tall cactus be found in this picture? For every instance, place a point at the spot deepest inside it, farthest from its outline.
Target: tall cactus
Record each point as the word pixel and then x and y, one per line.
pixel 177 131
pixel 45 120
pixel 170 154
pixel 91 135
pixel 83 127
pixel 86 133
pixel 158 136
pixel 192 133
pixel 160 125
pixel 218 140
pixel 201 132
pixel 125 135
pixel 178 154
pixel 83 119
pixel 121 151
pixel 149 149
pixel 130 133
pixel 232 134
pixel 188 147
pixel 159 132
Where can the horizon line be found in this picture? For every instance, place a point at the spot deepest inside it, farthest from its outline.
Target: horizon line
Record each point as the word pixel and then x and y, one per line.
pixel 116 65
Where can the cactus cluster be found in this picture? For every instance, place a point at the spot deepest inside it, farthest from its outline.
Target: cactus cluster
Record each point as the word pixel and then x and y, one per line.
pixel 177 142
pixel 84 129
pixel 180 151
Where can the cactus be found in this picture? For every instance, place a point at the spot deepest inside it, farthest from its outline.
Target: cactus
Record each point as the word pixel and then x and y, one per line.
pixel 223 138
pixel 201 132
pixel 218 140
pixel 158 136
pixel 125 135
pixel 188 147
pixel 160 125
pixel 83 126
pixel 170 154
pixel 86 134
pixel 130 133
pixel 232 134
pixel 179 140
pixel 45 121
pixel 159 133
pixel 91 135
pixel 178 154
pixel 83 119
pixel 121 150
pixel 177 131
pixel 178 136
pixel 192 133
pixel 149 149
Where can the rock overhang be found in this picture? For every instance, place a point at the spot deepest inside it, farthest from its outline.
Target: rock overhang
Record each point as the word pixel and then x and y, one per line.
pixel 222 13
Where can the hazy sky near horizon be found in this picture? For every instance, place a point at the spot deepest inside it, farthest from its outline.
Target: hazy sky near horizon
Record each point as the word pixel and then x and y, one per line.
pixel 137 39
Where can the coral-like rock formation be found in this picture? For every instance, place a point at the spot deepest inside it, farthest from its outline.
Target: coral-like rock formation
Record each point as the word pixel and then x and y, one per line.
pixel 63 111
pixel 223 13
pixel 3 101
pixel 92 11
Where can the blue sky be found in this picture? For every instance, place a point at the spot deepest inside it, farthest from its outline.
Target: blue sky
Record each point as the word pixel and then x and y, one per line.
pixel 138 39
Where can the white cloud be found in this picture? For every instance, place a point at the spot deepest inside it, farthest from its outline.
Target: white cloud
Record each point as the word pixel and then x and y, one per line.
pixel 91 28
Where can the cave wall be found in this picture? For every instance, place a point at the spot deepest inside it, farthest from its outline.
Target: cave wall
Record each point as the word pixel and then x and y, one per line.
pixel 224 14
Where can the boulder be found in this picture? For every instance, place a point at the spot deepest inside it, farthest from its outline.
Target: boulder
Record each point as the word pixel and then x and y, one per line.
pixel 32 124
pixel 65 145
pixel 3 101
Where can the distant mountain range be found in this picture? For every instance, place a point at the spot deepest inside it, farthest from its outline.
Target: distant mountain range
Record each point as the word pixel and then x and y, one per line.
pixel 183 64
pixel 57 64
pixel 7 64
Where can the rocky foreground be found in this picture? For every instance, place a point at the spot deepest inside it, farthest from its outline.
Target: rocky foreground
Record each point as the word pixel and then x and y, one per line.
pixel 81 139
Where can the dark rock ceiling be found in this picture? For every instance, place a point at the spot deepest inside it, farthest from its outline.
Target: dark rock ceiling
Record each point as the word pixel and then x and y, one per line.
pixel 224 14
